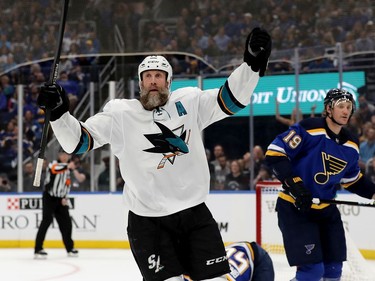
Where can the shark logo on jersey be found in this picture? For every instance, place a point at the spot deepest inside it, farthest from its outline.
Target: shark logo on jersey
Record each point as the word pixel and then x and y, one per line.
pixel 168 143
pixel 331 166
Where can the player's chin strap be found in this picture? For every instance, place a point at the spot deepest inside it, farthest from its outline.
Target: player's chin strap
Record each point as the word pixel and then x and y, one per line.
pixel 334 121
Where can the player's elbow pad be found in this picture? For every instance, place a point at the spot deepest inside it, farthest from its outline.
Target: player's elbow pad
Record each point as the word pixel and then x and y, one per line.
pixel 280 166
pixel 363 187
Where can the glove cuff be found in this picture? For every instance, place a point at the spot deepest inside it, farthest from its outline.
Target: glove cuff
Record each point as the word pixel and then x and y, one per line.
pixel 59 111
pixel 292 180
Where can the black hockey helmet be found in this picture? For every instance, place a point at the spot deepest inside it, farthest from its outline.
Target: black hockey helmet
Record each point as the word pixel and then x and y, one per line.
pixel 335 95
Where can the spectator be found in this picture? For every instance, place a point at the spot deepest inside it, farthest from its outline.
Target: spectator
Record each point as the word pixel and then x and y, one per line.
pixel 28 177
pixel 72 89
pixel 201 37
pixel 232 27
pixel 248 23
pixel 370 169
pixel 104 177
pixel 222 169
pixel 214 24
pixel 217 151
pixel 365 109
pixel 222 40
pixel 183 39
pixel 8 147
pixel 355 126
pixel 28 143
pixel 5 184
pixel 236 179
pixel 31 126
pixel 4 42
pixel 264 174
pixel 3 105
pixel 253 161
pixel 212 51
pixel 294 117
pixel 30 103
pixel 364 42
pixel 66 65
pixel 320 64
pixel 79 176
pixel 258 158
pixel 6 86
pixel 80 77
pixel 198 24
pixel 367 148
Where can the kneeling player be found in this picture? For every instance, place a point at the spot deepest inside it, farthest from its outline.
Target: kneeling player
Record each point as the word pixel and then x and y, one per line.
pixel 248 262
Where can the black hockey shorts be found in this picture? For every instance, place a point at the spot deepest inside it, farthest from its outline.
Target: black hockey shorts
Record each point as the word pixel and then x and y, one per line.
pixel 317 236
pixel 187 242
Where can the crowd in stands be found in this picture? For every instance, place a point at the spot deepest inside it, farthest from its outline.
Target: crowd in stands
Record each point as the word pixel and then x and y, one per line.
pixel 214 30
pixel 235 174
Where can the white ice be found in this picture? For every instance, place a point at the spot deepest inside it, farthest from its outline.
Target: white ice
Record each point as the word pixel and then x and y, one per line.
pixel 91 265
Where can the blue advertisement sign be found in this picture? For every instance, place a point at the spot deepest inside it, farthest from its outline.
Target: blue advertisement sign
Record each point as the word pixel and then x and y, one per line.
pixel 312 90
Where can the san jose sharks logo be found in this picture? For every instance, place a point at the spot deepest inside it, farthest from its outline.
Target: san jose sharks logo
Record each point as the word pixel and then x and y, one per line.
pixel 168 143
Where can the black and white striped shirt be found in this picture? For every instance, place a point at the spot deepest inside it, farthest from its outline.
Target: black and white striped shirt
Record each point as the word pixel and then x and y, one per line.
pixel 58 181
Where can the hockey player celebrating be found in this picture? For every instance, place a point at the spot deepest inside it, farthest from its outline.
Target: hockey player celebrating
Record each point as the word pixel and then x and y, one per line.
pixel 248 262
pixel 312 158
pixel 158 143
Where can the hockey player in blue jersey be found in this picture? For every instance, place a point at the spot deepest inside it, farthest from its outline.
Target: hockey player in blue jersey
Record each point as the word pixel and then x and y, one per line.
pixel 248 262
pixel 311 159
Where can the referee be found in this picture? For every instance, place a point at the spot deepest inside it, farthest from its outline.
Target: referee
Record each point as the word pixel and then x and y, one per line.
pixel 55 204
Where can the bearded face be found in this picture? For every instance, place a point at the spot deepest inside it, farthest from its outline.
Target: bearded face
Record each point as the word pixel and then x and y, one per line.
pixel 153 99
pixel 154 89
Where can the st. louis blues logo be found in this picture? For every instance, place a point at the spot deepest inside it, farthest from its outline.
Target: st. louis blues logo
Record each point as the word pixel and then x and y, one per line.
pixel 331 166
pixel 168 143
pixel 309 248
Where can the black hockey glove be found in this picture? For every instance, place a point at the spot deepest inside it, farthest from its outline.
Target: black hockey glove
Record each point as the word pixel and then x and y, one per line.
pixel 302 196
pixel 54 98
pixel 258 50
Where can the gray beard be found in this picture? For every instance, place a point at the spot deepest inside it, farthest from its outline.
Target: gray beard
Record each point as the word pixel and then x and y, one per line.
pixel 151 102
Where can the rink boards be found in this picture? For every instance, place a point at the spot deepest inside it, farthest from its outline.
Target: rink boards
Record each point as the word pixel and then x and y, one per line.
pixel 99 220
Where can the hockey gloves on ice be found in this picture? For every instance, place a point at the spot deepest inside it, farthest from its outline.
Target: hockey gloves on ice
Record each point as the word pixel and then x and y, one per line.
pixel 54 98
pixel 302 196
pixel 258 50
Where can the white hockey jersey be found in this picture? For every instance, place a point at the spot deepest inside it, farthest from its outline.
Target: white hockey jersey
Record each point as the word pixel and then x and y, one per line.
pixel 161 154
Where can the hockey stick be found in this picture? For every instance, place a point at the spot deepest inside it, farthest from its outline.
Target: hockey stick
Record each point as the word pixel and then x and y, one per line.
pixel 352 203
pixel 51 81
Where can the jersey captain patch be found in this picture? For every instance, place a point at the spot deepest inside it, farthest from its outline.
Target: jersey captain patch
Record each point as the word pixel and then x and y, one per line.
pixel 331 166
pixel 168 143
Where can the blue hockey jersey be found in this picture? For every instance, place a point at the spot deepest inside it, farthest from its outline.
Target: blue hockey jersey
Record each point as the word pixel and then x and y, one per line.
pixel 314 153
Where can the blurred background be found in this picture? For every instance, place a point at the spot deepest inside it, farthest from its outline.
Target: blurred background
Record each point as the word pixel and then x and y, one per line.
pixel 317 45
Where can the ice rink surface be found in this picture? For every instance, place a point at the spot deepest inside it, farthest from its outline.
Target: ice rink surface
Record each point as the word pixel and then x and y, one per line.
pixel 91 265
